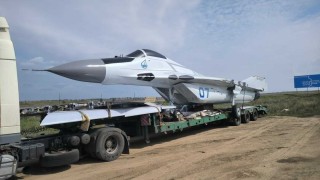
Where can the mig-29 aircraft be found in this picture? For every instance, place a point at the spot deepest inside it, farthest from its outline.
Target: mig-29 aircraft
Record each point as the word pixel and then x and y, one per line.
pixel 171 80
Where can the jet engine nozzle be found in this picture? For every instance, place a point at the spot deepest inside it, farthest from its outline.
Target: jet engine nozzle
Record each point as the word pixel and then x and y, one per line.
pixel 85 70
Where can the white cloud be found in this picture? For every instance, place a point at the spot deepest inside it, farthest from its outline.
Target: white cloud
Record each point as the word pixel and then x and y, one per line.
pixel 33 62
pixel 102 28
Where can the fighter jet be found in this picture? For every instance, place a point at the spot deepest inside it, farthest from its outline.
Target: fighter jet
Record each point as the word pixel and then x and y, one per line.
pixel 174 82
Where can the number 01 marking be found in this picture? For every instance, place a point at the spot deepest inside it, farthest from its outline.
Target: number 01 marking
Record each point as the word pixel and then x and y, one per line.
pixel 203 92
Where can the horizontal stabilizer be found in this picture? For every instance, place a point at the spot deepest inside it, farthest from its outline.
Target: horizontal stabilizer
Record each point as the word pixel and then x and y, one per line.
pixel 256 83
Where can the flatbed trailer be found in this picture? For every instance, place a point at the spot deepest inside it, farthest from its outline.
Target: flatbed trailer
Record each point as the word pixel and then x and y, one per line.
pixel 218 116
pixel 158 126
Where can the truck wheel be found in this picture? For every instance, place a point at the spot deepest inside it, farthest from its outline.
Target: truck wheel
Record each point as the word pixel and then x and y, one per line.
pixel 59 158
pixel 254 115
pixel 91 147
pixel 109 145
pixel 245 117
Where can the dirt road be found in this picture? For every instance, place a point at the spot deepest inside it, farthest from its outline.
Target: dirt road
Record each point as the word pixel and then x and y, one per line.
pixel 270 148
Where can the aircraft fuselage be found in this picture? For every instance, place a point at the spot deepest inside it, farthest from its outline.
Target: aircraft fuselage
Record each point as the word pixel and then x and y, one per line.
pixel 148 68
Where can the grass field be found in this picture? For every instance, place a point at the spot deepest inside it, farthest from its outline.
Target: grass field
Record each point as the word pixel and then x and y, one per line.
pixel 299 104
pixel 30 127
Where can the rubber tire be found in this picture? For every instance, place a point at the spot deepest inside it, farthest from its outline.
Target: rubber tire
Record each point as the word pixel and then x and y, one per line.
pixel 100 150
pixel 254 115
pixel 59 158
pixel 245 118
pixel 261 113
pixel 236 121
pixel 91 147
pixel 236 111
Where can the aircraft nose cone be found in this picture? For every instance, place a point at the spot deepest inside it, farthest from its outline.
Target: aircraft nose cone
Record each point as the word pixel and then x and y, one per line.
pixel 85 70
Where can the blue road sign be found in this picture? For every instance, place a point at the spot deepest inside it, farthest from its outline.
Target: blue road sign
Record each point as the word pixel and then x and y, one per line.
pixel 307 81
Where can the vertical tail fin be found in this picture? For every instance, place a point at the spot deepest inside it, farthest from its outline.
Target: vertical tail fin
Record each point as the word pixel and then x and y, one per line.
pixel 256 82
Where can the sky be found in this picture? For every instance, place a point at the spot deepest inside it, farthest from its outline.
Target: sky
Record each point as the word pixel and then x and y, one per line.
pixel 276 39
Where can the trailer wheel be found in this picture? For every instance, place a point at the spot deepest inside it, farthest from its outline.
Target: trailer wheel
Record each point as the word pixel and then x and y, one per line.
pixel 236 112
pixel 109 145
pixel 60 158
pixel 245 117
pixel 236 121
pixel 262 113
pixel 254 115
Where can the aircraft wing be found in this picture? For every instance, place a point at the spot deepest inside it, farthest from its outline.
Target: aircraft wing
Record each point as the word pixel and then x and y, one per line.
pixel 253 83
pixel 185 79
pixel 63 117
pixel 212 81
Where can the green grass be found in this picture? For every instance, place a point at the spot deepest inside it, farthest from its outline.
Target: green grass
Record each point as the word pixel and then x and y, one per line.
pixel 30 127
pixel 29 122
pixel 299 104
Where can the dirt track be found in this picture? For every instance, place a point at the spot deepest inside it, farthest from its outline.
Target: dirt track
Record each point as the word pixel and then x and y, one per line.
pixel 270 148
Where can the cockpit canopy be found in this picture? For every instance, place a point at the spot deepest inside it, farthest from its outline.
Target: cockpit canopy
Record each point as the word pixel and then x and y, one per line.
pixel 145 52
